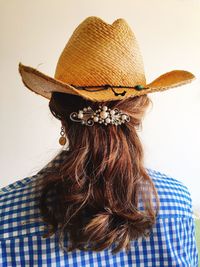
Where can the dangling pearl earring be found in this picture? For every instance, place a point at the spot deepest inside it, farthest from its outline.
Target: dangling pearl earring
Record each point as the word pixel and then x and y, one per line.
pixel 62 139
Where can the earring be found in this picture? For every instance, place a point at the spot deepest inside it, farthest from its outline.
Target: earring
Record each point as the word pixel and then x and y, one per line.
pixel 62 139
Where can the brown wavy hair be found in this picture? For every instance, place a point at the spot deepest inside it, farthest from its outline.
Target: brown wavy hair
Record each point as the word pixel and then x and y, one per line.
pixel 101 194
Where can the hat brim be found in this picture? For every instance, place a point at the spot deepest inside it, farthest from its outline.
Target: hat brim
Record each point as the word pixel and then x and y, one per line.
pixel 44 85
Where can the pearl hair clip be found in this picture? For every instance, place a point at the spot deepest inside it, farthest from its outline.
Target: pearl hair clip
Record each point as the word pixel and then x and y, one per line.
pixel 102 115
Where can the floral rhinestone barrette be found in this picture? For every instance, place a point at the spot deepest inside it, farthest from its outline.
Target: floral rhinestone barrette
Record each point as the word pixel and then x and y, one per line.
pixel 103 115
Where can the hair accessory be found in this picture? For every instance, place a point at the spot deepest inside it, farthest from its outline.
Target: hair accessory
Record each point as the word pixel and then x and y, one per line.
pixel 102 115
pixel 99 53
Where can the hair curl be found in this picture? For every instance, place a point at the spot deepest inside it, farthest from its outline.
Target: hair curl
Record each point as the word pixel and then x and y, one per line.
pixel 97 191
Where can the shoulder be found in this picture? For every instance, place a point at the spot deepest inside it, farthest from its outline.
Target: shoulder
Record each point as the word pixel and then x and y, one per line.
pixel 165 180
pixel 174 195
pixel 15 185
pixel 18 207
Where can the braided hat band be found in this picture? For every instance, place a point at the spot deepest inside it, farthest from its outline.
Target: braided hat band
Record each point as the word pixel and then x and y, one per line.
pixel 97 54
pixel 106 86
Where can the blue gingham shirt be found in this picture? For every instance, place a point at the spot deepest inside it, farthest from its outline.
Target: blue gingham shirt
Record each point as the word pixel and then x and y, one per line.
pixel 171 242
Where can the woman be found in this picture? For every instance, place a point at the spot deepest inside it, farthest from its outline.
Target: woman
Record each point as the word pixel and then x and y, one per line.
pixel 97 202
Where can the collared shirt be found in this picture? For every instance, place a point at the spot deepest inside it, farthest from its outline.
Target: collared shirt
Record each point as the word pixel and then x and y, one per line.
pixel 171 242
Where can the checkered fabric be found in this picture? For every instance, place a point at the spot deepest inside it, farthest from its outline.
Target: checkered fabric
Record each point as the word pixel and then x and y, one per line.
pixel 171 242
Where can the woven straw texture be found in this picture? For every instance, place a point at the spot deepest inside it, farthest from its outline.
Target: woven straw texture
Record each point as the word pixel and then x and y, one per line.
pixel 96 54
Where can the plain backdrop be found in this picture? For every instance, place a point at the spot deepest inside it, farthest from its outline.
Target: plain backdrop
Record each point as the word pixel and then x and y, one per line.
pixel 35 33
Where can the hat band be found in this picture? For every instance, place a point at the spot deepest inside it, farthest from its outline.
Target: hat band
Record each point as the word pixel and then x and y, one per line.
pixel 137 87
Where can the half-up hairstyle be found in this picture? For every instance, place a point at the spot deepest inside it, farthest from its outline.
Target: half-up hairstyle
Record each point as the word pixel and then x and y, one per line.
pixel 101 192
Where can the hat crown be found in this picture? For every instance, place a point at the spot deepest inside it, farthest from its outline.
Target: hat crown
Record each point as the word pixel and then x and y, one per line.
pixel 99 53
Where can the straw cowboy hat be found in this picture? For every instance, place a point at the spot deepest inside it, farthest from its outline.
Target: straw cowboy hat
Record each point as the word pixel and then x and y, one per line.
pixel 101 62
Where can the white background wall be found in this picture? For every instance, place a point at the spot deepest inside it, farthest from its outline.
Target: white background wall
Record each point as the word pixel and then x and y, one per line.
pixel 35 32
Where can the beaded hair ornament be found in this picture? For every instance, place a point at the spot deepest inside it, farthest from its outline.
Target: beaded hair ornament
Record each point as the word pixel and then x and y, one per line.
pixel 103 115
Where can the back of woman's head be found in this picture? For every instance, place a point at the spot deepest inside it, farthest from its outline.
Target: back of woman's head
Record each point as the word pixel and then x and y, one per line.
pixel 101 192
